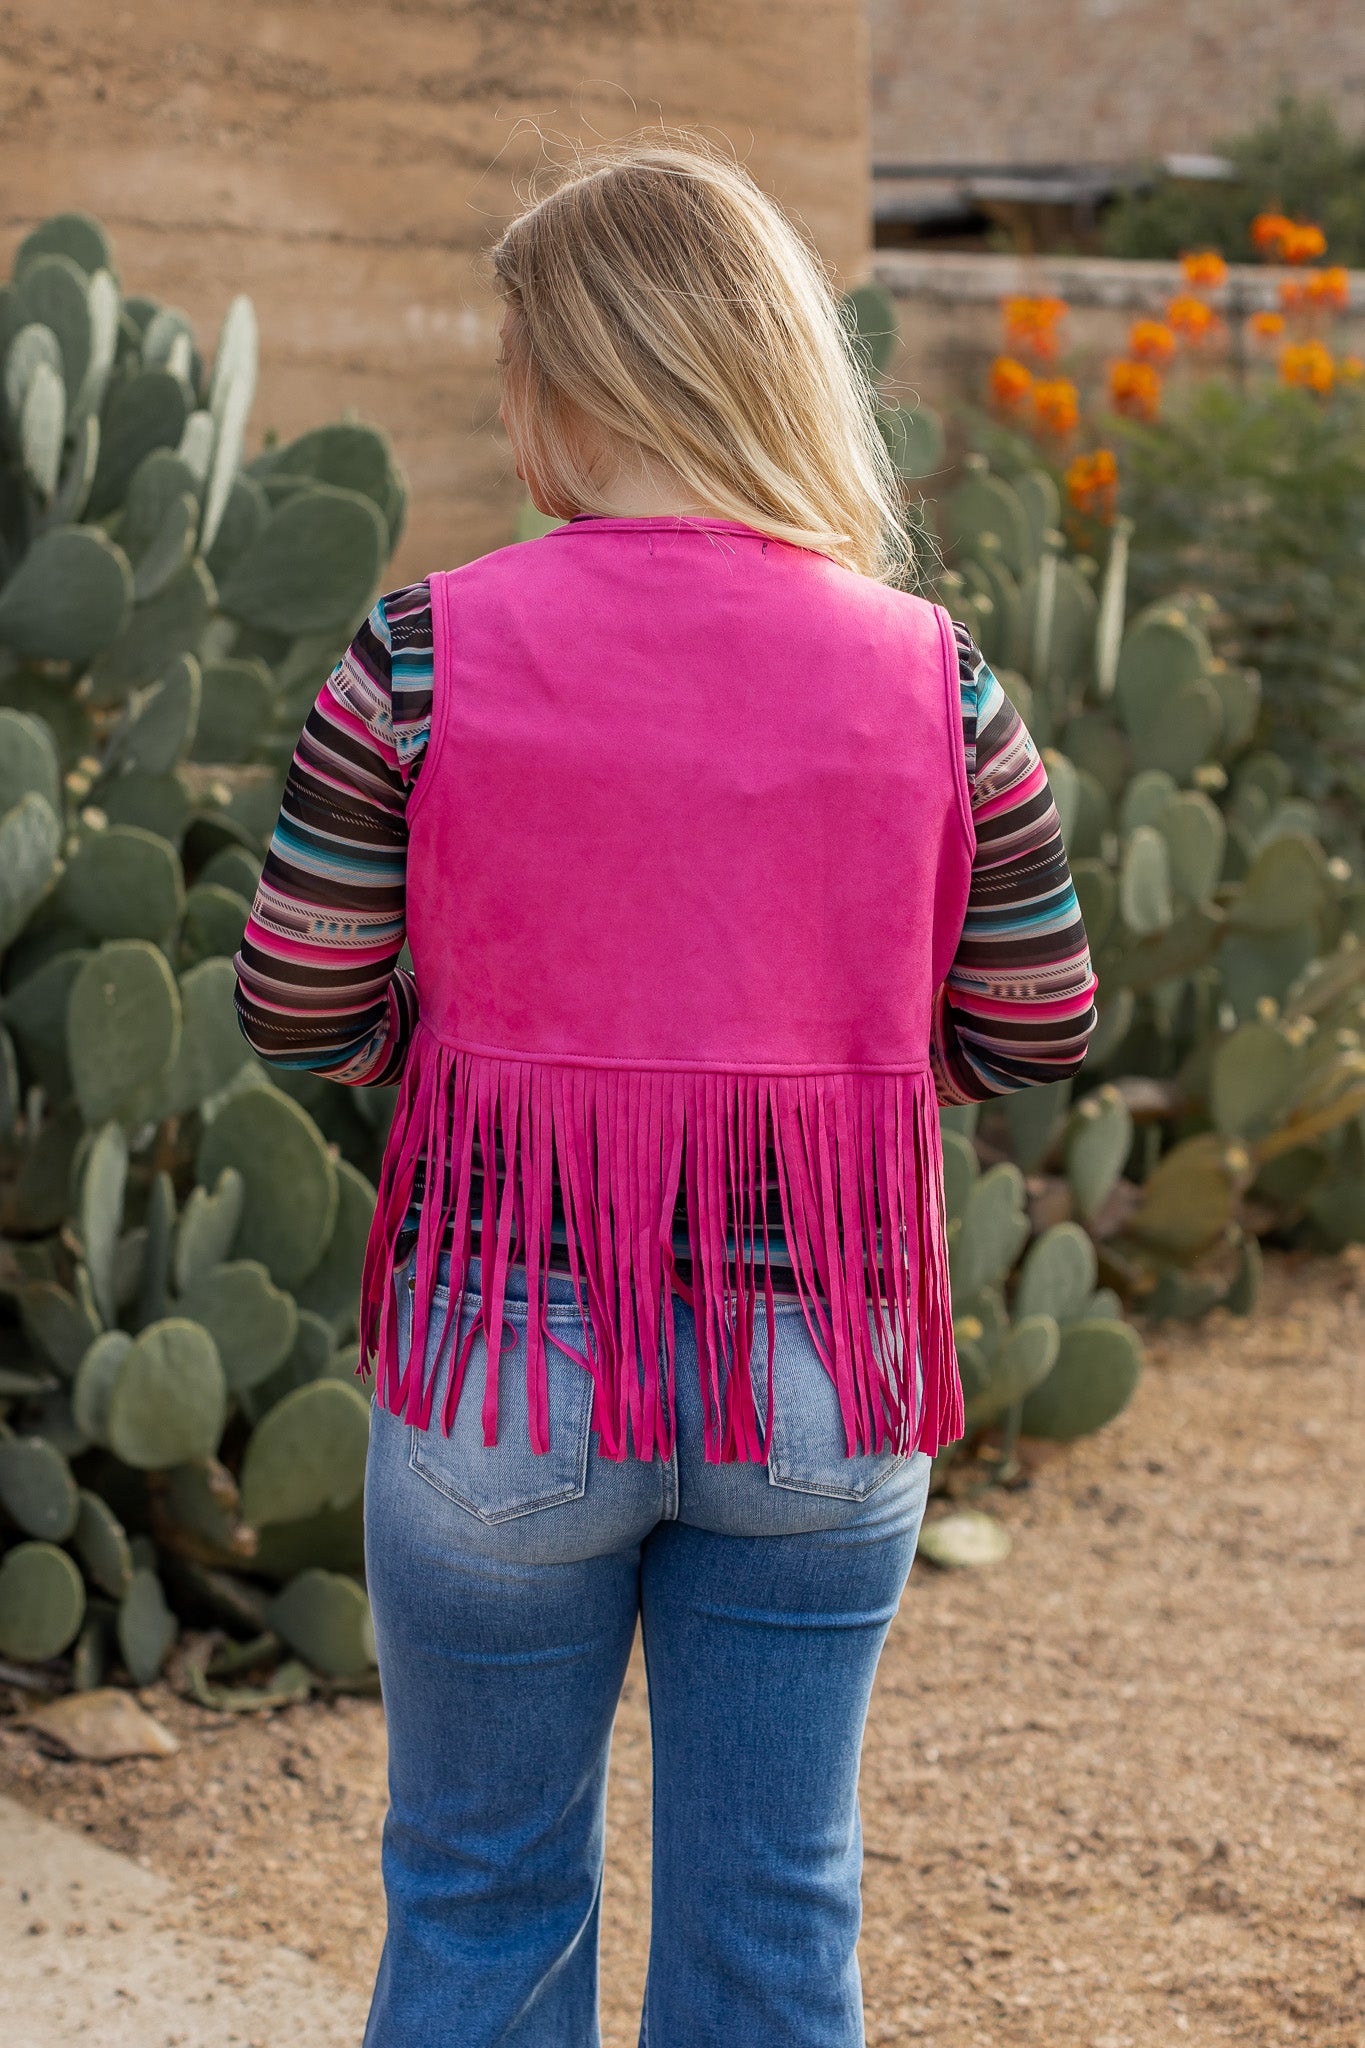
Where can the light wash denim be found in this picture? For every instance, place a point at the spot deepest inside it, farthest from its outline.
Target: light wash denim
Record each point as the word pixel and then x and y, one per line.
pixel 506 1590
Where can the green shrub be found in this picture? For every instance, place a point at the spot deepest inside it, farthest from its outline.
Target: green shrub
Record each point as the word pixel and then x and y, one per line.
pixel 1298 162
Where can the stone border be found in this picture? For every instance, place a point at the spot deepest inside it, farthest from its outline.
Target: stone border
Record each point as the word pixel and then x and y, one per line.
pixel 1118 284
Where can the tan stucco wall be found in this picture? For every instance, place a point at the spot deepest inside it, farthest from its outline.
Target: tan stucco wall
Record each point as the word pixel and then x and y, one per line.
pixel 994 81
pixel 345 162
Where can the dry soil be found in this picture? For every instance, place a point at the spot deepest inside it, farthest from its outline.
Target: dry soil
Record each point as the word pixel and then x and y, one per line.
pixel 1112 1788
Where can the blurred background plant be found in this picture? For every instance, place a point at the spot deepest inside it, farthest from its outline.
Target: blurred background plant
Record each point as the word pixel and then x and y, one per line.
pixel 1221 1102
pixel 1236 446
pixel 181 1437
pixel 1298 162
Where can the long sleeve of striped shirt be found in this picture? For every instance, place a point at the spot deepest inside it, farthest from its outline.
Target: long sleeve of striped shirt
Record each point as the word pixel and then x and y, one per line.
pixel 318 982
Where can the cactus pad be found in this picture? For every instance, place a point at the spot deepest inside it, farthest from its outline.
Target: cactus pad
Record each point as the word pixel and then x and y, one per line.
pixel 212 1049
pixel 161 729
pixel 96 1373
pixel 1145 799
pixel 870 311
pixel 334 1539
pixel 1251 1080
pixel 122 1028
pixel 1185 735
pixel 1187 1201
pixel 208 1226
pixel 173 623
pixel 101 1543
pixel 252 1322
pixel 332 1289
pixel 1145 883
pixel 168 550
pixel 326 1619
pixel 28 762
pixel 99 1213
pixel 1239 694
pixel 146 1627
pixel 313 567
pixel 1159 659
pixel 238 710
pixel 291 1182
pixel 307 1454
pixel 1058 1275
pixel 123 883
pixel 147 410
pixel 30 836
pixel 1196 839
pixel 1098 897
pixel 168 1400
pixel 213 924
pixel 1041 500
pixel 984 504
pixel 1032 1117
pixel 1099 1363
pixel 1022 1362
pixel 75 235
pixel 159 804
pixel 42 1603
pixel 994 1231
pixel 1286 887
pixel 232 867
pixel 1098 1142
pixel 36 1488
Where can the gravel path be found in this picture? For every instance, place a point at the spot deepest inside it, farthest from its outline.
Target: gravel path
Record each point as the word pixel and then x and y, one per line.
pixel 1112 1789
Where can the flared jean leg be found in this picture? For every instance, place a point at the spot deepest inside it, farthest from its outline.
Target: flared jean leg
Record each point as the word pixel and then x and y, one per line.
pixel 761 1653
pixel 500 1683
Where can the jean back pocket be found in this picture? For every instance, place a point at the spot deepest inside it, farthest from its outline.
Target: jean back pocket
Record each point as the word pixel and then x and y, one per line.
pixel 808 1450
pixel 499 1482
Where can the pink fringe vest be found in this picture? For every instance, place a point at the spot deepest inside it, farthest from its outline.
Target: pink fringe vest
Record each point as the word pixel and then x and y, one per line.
pixel 689 858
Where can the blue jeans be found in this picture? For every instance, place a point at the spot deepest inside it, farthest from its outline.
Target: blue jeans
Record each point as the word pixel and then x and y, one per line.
pixel 506 1589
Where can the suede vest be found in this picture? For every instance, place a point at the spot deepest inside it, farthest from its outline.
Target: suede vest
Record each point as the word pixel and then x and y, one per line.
pixel 689 858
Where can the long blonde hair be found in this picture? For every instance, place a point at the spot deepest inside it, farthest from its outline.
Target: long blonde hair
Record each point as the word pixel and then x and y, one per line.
pixel 659 293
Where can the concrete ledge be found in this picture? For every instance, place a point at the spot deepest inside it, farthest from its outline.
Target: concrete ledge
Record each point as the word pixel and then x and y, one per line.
pixel 1118 284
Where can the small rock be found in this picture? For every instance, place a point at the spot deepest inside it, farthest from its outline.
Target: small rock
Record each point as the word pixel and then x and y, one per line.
pixel 100 1726
pixel 964 1540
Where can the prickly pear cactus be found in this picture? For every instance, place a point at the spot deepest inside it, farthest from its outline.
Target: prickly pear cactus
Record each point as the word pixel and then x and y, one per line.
pixel 1222 1094
pixel 179 1237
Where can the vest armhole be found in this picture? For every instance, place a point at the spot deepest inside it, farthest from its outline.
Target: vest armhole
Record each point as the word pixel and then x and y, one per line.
pixel 957 738
pixel 439 586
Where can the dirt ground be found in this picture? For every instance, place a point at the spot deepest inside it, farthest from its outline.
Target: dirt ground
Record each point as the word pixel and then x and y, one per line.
pixel 1112 1788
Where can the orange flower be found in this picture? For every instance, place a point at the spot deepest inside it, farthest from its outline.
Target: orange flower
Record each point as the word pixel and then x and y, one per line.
pixel 1135 389
pixel 1303 244
pixel 1151 341
pixel 1031 324
pixel 1092 483
pixel 1293 294
pixel 1204 268
pixel 1057 404
pixel 1330 287
pixel 1308 365
pixel 1011 383
pixel 1267 326
pixel 1270 231
pixel 1351 369
pixel 1192 319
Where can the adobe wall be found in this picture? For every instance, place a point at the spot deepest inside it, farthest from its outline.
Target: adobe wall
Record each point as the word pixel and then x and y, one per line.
pixel 993 81
pixel 346 161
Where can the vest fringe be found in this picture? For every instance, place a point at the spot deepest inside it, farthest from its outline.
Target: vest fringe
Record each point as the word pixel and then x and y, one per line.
pixel 859 1171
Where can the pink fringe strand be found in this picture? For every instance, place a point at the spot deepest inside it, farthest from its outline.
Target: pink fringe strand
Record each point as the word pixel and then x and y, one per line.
pixel 859 1172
